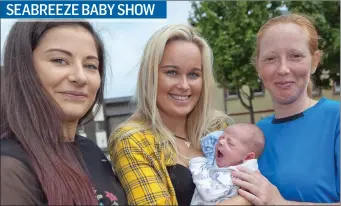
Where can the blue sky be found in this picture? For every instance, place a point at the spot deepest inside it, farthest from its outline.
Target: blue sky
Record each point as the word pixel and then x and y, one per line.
pixel 124 41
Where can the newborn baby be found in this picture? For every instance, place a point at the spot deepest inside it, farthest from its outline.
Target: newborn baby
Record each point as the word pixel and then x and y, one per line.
pixel 239 144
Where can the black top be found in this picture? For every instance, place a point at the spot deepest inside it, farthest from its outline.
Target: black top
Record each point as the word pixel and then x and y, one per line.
pixel 182 182
pixel 19 183
pixel 287 119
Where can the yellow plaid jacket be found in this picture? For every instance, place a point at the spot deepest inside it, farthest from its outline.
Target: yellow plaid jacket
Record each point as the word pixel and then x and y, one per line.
pixel 140 163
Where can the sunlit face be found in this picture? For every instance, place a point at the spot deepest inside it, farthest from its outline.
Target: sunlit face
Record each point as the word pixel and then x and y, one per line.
pixel 285 62
pixel 231 147
pixel 66 62
pixel 180 79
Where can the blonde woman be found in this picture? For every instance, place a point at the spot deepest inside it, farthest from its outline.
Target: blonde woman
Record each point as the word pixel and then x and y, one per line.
pixel 151 150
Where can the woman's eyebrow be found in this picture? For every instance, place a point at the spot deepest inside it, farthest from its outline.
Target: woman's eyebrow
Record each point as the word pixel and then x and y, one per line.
pixel 170 66
pixel 68 53
pixel 92 57
pixel 59 50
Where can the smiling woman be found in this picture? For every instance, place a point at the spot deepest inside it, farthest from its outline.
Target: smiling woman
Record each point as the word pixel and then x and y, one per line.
pixel 59 63
pixel 301 160
pixel 151 150
pixel 53 77
pixel 179 79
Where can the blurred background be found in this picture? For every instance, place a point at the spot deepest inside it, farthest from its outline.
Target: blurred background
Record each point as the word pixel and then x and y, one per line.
pixel 230 28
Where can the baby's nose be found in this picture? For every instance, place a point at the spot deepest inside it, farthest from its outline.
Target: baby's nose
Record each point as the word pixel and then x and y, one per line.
pixel 221 140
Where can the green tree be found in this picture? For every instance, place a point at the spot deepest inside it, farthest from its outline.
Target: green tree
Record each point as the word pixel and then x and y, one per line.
pixel 326 16
pixel 231 27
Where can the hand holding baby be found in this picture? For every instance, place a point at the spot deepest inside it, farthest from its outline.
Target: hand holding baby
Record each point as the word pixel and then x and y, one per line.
pixel 256 188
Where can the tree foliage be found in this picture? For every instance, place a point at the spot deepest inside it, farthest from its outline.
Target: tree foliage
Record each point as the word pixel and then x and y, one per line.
pixel 231 27
pixel 326 16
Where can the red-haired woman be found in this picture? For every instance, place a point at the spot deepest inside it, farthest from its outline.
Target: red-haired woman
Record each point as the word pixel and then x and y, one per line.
pixel 301 158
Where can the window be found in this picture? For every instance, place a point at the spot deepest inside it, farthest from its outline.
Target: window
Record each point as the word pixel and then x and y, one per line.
pixel 230 93
pixel 259 91
pixel 336 87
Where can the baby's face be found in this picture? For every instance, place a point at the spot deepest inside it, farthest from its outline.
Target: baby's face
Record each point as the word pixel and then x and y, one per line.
pixel 231 147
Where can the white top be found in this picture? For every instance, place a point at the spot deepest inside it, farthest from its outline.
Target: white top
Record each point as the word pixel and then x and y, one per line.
pixel 214 184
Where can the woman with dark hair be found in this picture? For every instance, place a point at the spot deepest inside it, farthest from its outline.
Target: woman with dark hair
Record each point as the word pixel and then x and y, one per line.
pixel 53 77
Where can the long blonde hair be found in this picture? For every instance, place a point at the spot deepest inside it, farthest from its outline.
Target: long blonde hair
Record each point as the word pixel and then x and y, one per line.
pixel 202 118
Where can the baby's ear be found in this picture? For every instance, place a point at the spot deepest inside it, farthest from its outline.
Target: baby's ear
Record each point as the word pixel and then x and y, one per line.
pixel 249 156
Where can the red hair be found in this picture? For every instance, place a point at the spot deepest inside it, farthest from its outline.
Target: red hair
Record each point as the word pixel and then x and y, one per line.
pixel 301 20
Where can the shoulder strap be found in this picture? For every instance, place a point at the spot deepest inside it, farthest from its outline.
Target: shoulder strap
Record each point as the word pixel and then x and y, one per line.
pixel 12 148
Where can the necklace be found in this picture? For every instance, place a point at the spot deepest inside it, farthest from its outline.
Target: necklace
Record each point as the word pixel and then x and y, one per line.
pixel 188 144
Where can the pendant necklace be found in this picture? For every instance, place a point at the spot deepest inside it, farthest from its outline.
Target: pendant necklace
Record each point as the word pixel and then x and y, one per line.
pixel 188 144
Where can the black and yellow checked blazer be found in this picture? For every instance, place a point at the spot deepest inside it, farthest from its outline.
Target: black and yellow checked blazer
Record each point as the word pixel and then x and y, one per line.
pixel 140 163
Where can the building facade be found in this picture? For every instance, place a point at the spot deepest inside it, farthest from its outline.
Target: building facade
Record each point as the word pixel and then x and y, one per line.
pixel 114 111
pixel 262 102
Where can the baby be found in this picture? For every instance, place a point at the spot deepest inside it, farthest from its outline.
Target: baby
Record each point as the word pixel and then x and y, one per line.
pixel 239 144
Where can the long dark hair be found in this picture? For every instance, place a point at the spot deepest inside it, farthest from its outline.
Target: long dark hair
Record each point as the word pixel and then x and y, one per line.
pixel 35 119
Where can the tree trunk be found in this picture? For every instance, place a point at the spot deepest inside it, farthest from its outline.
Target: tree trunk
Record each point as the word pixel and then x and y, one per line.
pixel 249 98
pixel 252 114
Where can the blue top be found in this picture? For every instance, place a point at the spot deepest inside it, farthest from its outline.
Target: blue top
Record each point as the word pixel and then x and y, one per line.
pixel 302 153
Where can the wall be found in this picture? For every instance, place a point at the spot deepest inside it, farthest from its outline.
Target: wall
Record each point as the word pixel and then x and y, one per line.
pixel 263 106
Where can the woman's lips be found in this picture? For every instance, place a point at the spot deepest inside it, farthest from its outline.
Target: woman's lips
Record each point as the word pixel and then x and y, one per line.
pixel 284 85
